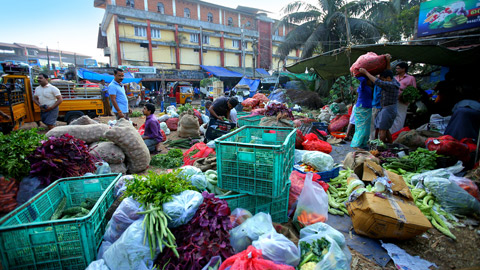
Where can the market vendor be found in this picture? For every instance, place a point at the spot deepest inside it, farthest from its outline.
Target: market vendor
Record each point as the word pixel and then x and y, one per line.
pixel 363 113
pixel 152 136
pixel 465 121
pixel 405 80
pixel 221 108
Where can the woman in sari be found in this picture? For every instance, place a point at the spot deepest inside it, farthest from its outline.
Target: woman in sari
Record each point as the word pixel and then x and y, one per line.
pixel 363 114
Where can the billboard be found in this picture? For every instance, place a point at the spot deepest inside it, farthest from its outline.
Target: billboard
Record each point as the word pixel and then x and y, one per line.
pixel 139 69
pixel 442 16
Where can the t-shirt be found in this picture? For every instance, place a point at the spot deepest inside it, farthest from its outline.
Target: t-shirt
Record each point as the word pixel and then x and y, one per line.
pixel 47 95
pixel 220 106
pixel 377 97
pixel 114 88
pixel 364 94
pixel 152 128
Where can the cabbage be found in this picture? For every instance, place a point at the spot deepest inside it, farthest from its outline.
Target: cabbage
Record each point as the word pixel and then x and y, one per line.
pixel 320 161
pixel 195 176
pixel 199 181
pixel 189 171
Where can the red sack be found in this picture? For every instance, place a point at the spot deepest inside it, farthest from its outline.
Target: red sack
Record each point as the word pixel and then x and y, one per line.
pixel 258 112
pixel 172 123
pixel 164 136
pixel 298 180
pixel 469 142
pixel 311 137
pixel 449 146
pixel 141 131
pixel 203 151
pixel 467 185
pixel 8 194
pixel 339 124
pixel 312 143
pixel 250 102
pixel 251 259
pixel 396 134
pixel 261 98
pixel 299 140
pixel 370 61
pixel 199 116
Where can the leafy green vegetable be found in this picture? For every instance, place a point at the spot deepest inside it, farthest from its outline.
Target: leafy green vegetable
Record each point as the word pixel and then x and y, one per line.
pixel 136 114
pixel 411 94
pixel 424 159
pixel 173 159
pixel 313 252
pixel 14 149
pixel 184 108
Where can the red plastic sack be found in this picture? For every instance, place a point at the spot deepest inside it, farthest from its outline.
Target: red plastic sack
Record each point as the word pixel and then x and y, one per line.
pixel 468 185
pixel 172 123
pixel 201 151
pixel 164 136
pixel 252 259
pixel 312 143
pixel 199 116
pixel 250 102
pixel 469 142
pixel 258 112
pixel 299 140
pixel 260 97
pixel 396 134
pixel 449 146
pixel 370 61
pixel 8 194
pixel 141 131
pixel 298 180
pixel 339 124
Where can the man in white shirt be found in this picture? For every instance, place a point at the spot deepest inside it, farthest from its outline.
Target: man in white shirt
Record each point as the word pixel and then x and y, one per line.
pixel 48 98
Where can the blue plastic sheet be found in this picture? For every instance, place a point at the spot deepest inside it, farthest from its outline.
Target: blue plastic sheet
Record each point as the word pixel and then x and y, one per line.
pixel 221 72
pixel 94 76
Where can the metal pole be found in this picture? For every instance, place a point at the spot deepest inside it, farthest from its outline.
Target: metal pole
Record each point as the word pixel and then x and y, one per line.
pixel 48 60
pixel 75 59
pixel 243 53
pixel 201 44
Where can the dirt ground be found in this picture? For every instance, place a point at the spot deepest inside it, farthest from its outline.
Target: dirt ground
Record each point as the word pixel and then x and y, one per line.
pixel 432 246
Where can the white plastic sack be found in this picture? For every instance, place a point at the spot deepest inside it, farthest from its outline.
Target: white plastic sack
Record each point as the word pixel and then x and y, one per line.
pixel 189 171
pixel 312 199
pixel 319 160
pixel 242 236
pixel 129 252
pixel 163 118
pixel 213 264
pixel 439 123
pixel 165 128
pixel 97 265
pixel 334 259
pixel 103 247
pixel 278 248
pixel 443 173
pixel 195 176
pixel 205 118
pixel 120 186
pixel 182 207
pixel 122 218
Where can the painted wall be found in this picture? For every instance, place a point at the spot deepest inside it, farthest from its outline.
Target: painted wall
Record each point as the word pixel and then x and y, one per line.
pixel 189 57
pixel 211 58
pixel 112 42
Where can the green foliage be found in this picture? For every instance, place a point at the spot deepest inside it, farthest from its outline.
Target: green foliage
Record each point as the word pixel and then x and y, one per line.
pixel 136 114
pixel 344 88
pixel 173 159
pixel 14 150
pixel 185 108
pixel 208 81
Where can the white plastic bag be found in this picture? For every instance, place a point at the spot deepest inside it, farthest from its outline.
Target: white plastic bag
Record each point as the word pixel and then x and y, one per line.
pixel 165 128
pixel 129 252
pixel 213 264
pixel 103 247
pixel 182 207
pixel 205 118
pixel 334 259
pixel 239 216
pixel 242 236
pixel 194 175
pixel 120 186
pixel 320 161
pixel 163 118
pixel 122 218
pixel 102 168
pixel 97 265
pixel 278 248
pixel 312 200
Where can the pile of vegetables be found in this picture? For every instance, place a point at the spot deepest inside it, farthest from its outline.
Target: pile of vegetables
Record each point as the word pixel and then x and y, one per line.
pixel 337 194
pixel 410 94
pixel 417 161
pixel 152 191
pixel 170 160
pixel 311 254
pixel 136 114
pixel 182 143
pixel 185 108
pixel 8 194
pixel 205 236
pixel 305 218
pixel 14 148
pixel 212 187
pixel 275 108
pixel 73 212
pixel 61 157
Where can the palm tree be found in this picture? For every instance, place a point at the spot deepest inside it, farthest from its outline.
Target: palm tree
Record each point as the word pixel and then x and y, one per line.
pixel 325 27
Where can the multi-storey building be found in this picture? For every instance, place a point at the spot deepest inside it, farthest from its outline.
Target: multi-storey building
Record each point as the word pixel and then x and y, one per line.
pixel 186 34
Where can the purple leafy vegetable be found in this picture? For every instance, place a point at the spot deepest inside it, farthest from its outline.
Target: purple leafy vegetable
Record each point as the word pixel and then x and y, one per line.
pixel 274 108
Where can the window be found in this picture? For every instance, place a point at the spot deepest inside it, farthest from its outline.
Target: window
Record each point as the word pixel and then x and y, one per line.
pixel 236 43
pixel 155 33
pixel 210 17
pixel 230 21
pixel 194 38
pixel 160 8
pixel 186 13
pixel 140 31
pixel 205 39
pixel 131 3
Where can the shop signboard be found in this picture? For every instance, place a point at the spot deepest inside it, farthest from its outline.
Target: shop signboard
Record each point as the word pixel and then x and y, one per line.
pixel 442 16
pixel 139 69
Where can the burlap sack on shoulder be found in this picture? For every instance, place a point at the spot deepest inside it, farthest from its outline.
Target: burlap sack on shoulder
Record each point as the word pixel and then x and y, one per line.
pixel 87 133
pixel 188 125
pixel 108 151
pixel 84 120
pixel 129 140
pixel 353 159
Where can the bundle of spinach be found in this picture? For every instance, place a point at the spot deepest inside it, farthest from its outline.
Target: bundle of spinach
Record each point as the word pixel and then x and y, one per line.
pixel 424 159
pixel 410 94
pixel 152 191
pixel 61 157
pixel 184 108
pixel 311 254
pixel 170 160
pixel 136 114
pixel 14 148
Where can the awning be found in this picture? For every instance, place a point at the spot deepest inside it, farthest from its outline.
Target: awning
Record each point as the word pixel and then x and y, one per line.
pixel 259 72
pixel 337 63
pixel 221 72
pixel 90 75
pixel 252 84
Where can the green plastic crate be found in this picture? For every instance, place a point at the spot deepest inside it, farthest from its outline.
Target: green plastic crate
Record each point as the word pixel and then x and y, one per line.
pixel 255 161
pixel 276 207
pixel 29 240
pixel 240 114
pixel 249 120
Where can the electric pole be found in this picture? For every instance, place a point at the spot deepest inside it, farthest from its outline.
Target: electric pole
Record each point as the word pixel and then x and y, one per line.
pixel 243 52
pixel 48 60
pixel 255 51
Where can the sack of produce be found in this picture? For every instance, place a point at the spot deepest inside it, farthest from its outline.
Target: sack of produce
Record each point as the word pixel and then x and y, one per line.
pixel 250 102
pixel 97 265
pixel 317 145
pixel 467 184
pixel 118 168
pixel 243 235
pixel 312 204
pixel 165 129
pixel 299 140
pixel 449 146
pixel 163 118
pixel 357 158
pixel 251 259
pixel 278 248
pixel 416 138
pixel 197 151
pixel 182 207
pixel 339 124
pixel 188 125
pixel 320 161
pixel 172 123
pixel 122 218
pixel 322 252
pixel 370 61
pixel 298 181
pixel 29 187
pixel 239 216
pixel 84 120
pixel 87 133
pixel 108 152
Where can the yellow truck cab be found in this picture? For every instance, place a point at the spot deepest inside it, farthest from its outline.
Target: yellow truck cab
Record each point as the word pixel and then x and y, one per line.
pixel 16 99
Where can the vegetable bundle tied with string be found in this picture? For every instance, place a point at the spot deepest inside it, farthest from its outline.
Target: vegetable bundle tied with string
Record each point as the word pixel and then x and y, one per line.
pixel 152 191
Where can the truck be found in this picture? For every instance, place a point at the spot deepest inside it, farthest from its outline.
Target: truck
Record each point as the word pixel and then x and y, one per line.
pixel 182 92
pixel 16 99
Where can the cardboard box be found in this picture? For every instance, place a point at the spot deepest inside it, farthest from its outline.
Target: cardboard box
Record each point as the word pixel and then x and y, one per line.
pixel 371 170
pixel 391 217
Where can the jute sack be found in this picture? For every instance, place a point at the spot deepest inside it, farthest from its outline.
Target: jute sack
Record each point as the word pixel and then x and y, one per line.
pixel 84 120
pixel 188 125
pixel 129 140
pixel 87 133
pixel 108 151
pixel 356 158
pixel 118 168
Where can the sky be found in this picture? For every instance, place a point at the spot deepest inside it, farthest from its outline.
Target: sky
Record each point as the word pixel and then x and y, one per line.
pixel 72 25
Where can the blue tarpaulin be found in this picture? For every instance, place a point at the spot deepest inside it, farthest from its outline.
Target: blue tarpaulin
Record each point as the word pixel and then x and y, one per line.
pixel 252 84
pixel 221 72
pixel 262 71
pixel 93 76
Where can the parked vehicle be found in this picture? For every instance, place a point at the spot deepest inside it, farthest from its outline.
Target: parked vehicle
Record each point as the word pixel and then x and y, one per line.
pixel 182 92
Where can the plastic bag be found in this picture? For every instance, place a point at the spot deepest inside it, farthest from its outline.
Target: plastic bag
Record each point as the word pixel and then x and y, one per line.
pixel 29 187
pixel 242 236
pixel 443 173
pixel 467 184
pixel 320 161
pixel 97 265
pixel 449 146
pixel 189 171
pixel 452 197
pixel 278 248
pixel 120 186
pixel 312 204
pixel 163 118
pixel 164 127
pixel 172 123
pixel 334 259
pixel 251 259
pixel 199 181
pixel 182 207
pixel 370 61
pixel 129 252
pixel 102 168
pixel 122 218
pixel 239 216
pixel 203 151
pixel 339 124
pixel 205 119
pixel 103 247
pixel 298 180
pixel 213 264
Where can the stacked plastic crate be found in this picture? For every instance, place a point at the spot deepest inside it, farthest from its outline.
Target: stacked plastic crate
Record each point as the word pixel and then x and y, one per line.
pixel 256 162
